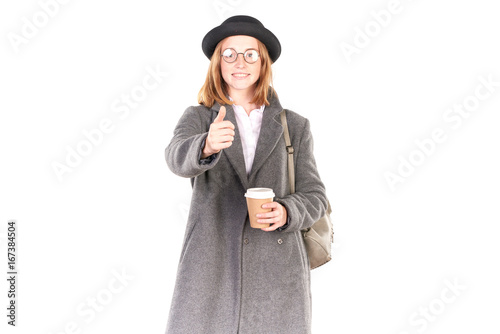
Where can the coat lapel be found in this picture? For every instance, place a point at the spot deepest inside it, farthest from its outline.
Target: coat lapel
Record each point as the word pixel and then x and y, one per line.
pixel 234 152
pixel 270 132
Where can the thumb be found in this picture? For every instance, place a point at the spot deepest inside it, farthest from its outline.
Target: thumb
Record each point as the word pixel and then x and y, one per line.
pixel 221 115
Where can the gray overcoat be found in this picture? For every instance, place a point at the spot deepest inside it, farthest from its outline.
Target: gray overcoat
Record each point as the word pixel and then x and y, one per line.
pixel 232 278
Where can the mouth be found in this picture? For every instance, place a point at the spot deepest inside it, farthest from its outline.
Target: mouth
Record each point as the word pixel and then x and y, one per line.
pixel 240 75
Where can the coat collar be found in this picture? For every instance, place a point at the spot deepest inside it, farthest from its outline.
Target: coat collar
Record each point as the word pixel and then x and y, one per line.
pixel 270 133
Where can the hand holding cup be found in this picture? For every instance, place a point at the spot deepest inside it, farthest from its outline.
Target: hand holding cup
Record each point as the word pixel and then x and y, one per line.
pixel 275 218
pixel 263 212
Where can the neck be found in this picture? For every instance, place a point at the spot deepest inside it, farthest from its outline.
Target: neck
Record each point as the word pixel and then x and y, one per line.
pixel 242 97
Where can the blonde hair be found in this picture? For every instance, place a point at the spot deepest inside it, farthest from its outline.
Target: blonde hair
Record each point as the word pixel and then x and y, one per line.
pixel 215 88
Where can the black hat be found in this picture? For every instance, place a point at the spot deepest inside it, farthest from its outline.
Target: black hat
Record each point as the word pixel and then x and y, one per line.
pixel 241 25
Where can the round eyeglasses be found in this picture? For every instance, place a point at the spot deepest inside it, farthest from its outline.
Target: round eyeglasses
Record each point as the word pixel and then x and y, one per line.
pixel 250 55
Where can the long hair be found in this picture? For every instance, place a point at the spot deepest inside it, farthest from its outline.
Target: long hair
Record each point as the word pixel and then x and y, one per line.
pixel 215 88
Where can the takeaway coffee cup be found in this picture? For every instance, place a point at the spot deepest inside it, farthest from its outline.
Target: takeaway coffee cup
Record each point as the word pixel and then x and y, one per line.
pixel 255 198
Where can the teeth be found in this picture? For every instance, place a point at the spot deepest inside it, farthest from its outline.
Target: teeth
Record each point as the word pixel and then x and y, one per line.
pixel 240 75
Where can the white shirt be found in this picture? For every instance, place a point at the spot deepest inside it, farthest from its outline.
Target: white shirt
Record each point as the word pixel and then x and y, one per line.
pixel 249 129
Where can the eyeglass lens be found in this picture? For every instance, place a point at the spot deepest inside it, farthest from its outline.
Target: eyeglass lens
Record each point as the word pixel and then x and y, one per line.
pixel 230 55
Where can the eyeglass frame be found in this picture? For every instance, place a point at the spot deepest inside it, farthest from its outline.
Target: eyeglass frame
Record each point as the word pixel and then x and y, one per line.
pixel 238 53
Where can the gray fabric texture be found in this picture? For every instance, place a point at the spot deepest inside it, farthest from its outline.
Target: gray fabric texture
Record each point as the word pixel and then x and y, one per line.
pixel 232 278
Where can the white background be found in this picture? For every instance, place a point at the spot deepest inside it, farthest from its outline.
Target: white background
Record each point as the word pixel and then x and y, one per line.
pixel 122 209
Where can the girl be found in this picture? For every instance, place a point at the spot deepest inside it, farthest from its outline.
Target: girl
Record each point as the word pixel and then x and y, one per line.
pixel 233 278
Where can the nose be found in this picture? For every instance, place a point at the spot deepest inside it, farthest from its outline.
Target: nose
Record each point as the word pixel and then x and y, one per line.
pixel 240 60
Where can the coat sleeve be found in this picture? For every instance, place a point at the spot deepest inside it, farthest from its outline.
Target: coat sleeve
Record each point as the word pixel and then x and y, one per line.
pixel 183 153
pixel 309 202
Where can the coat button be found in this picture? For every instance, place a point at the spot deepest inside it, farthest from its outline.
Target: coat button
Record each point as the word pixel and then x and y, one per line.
pixel 280 241
pixel 246 241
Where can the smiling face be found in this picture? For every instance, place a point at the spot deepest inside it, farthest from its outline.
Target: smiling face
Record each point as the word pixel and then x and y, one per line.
pixel 240 75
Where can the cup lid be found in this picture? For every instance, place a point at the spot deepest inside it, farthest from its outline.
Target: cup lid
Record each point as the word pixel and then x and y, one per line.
pixel 259 193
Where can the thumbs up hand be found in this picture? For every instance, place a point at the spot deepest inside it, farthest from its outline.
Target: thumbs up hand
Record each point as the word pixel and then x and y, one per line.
pixel 220 135
pixel 221 115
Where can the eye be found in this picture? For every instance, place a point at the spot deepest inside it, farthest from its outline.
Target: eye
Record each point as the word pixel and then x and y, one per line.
pixel 252 55
pixel 228 53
